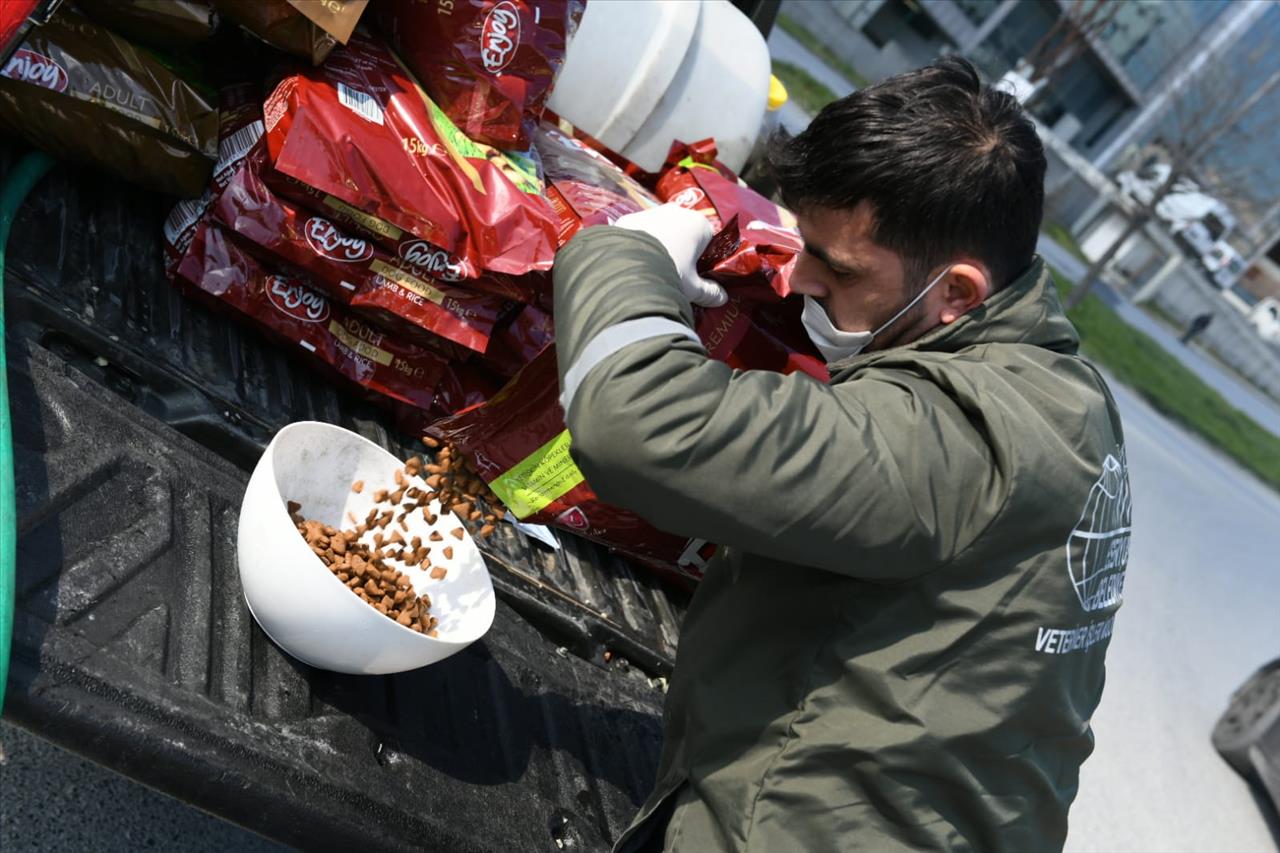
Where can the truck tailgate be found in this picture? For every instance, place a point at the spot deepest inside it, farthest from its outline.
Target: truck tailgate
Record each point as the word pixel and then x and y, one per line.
pixel 137 416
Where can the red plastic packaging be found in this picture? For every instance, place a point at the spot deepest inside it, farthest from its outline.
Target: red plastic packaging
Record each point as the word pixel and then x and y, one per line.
pixel 14 22
pixel 757 257
pixel 648 180
pixel 584 187
pixel 754 336
pixel 429 259
pixel 519 340
pixel 239 129
pixel 485 62
pixel 288 309
pixel 755 265
pixel 359 130
pixel 351 270
pixel 462 387
pixel 517 442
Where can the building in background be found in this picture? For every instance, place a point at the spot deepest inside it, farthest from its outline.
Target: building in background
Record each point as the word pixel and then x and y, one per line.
pixel 1119 91
pixel 1089 103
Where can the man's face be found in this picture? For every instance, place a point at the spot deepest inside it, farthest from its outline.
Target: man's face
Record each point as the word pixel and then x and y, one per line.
pixel 862 285
pixel 859 283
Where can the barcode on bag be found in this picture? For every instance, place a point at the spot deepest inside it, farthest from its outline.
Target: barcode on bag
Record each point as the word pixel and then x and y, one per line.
pixel 183 216
pixel 232 149
pixel 363 105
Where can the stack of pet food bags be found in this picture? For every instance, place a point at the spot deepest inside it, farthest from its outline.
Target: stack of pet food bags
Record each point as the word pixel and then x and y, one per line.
pixel 388 206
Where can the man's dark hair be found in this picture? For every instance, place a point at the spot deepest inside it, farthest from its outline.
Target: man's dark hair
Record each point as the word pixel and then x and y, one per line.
pixel 950 166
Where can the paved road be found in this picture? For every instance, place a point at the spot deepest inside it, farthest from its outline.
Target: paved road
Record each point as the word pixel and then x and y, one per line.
pixel 1237 392
pixel 1201 599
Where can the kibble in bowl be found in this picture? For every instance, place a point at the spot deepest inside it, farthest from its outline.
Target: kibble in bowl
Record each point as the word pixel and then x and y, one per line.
pixel 307 515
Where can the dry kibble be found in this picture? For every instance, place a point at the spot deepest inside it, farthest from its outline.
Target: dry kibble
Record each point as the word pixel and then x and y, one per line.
pixel 366 569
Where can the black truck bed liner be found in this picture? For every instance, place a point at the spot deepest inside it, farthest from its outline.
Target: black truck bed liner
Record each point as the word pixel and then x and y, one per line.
pixel 137 417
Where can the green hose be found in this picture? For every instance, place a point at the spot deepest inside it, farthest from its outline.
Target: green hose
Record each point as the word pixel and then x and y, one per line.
pixel 16 185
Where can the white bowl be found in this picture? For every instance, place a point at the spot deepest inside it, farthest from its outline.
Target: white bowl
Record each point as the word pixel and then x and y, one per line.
pixel 301 605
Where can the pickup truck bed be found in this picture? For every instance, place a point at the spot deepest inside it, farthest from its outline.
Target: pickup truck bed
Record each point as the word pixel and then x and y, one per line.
pixel 138 416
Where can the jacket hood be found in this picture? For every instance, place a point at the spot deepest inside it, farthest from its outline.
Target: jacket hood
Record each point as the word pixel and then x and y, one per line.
pixel 1027 311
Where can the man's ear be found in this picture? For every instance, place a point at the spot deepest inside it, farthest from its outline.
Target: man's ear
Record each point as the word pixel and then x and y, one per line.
pixel 965 287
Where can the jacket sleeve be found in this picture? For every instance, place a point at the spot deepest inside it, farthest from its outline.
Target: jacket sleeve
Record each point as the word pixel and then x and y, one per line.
pixel 873 478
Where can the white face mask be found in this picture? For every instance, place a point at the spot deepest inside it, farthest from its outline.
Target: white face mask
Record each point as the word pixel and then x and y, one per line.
pixel 837 344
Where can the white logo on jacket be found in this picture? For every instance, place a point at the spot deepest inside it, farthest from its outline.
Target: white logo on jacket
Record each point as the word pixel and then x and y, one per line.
pixel 1098 546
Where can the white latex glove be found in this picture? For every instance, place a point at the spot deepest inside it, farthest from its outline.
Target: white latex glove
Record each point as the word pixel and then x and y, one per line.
pixel 684 234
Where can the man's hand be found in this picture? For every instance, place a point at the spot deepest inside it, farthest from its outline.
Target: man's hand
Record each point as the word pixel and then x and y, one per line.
pixel 684 234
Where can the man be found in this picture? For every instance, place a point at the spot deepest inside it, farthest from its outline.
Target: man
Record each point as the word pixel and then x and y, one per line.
pixel 900 643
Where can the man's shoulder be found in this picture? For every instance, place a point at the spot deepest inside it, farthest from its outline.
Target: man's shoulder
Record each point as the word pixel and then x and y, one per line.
pixel 985 373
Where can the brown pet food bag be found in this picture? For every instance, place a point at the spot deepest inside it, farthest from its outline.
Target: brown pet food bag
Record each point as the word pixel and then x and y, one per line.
pixel 84 94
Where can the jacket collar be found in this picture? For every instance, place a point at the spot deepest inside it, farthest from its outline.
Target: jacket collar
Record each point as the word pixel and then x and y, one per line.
pixel 1027 311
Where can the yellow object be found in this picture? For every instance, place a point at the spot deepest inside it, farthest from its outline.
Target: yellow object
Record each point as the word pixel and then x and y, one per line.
pixel 777 93
pixel 538 479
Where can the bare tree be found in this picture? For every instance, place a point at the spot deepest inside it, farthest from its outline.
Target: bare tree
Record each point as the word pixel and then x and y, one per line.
pixel 1206 113
pixel 1069 37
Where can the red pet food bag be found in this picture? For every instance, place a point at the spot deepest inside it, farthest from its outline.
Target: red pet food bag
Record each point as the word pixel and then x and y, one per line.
pixel 353 271
pixel 364 138
pixel 288 309
pixel 485 62
pixel 518 444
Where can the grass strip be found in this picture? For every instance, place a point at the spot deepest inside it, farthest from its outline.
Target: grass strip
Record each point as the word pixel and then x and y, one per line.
pixel 1142 364
pixel 797 31
pixel 810 94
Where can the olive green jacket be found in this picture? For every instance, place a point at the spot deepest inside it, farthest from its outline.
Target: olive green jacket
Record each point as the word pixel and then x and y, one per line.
pixel 900 643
